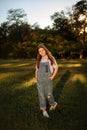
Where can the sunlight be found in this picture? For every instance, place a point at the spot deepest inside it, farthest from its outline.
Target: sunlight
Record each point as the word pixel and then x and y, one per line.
pixel 5 65
pixel 8 65
pixel 20 65
pixel 82 17
pixel 14 65
pixel 79 77
pixel 70 65
pixel 5 75
pixel 27 84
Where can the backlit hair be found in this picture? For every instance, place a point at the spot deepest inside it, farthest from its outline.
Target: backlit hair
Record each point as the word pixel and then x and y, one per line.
pixel 48 53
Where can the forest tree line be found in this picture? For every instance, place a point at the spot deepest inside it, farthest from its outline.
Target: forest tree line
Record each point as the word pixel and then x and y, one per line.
pixel 67 38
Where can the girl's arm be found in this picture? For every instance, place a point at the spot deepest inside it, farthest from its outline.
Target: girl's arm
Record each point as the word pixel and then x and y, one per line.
pixel 55 66
pixel 54 73
pixel 36 73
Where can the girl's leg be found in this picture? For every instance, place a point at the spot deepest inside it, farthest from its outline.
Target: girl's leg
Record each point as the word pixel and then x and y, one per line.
pixel 41 95
pixel 42 100
pixel 49 95
pixel 49 91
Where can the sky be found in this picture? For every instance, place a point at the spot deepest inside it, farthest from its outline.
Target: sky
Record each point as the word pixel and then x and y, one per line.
pixel 38 11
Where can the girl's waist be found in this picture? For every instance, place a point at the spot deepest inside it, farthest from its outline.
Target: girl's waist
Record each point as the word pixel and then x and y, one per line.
pixel 44 74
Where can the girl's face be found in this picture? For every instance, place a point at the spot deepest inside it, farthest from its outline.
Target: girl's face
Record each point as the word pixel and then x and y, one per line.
pixel 42 52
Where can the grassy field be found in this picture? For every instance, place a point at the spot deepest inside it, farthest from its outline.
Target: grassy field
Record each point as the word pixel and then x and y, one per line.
pixel 19 105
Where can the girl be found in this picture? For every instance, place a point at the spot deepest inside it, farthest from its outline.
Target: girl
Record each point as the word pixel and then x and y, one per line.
pixel 46 69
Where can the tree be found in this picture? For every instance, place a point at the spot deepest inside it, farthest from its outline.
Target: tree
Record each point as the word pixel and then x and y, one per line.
pixel 62 25
pixel 5 46
pixel 80 23
pixel 16 16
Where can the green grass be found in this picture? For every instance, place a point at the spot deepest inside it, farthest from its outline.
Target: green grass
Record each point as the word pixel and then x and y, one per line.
pixel 19 105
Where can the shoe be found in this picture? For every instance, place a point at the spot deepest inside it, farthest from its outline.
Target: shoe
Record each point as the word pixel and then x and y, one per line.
pixel 53 107
pixel 45 114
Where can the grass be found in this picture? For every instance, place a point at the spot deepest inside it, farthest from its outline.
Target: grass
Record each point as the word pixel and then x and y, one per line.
pixel 19 105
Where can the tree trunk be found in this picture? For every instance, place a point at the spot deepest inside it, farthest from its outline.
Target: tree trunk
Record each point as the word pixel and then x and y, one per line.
pixel 81 54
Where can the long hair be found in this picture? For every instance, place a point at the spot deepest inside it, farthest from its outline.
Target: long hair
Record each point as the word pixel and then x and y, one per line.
pixel 47 52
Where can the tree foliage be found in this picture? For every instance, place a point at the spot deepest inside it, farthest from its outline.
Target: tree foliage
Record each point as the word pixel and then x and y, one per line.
pixel 66 39
pixel 16 16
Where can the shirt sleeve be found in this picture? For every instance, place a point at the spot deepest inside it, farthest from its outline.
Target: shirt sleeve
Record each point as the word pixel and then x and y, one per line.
pixel 55 65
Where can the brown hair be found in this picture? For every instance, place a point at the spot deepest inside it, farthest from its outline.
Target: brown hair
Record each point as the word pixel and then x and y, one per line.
pixel 47 52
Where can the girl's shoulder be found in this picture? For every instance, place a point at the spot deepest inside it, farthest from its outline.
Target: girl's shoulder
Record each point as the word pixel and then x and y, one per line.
pixel 54 59
pixel 55 64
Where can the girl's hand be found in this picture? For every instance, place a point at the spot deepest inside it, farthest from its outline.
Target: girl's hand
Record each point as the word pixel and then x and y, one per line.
pixel 51 77
pixel 35 80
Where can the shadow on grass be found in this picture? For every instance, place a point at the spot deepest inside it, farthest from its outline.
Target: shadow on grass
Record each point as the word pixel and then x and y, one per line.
pixel 60 84
pixel 80 104
pixel 18 109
